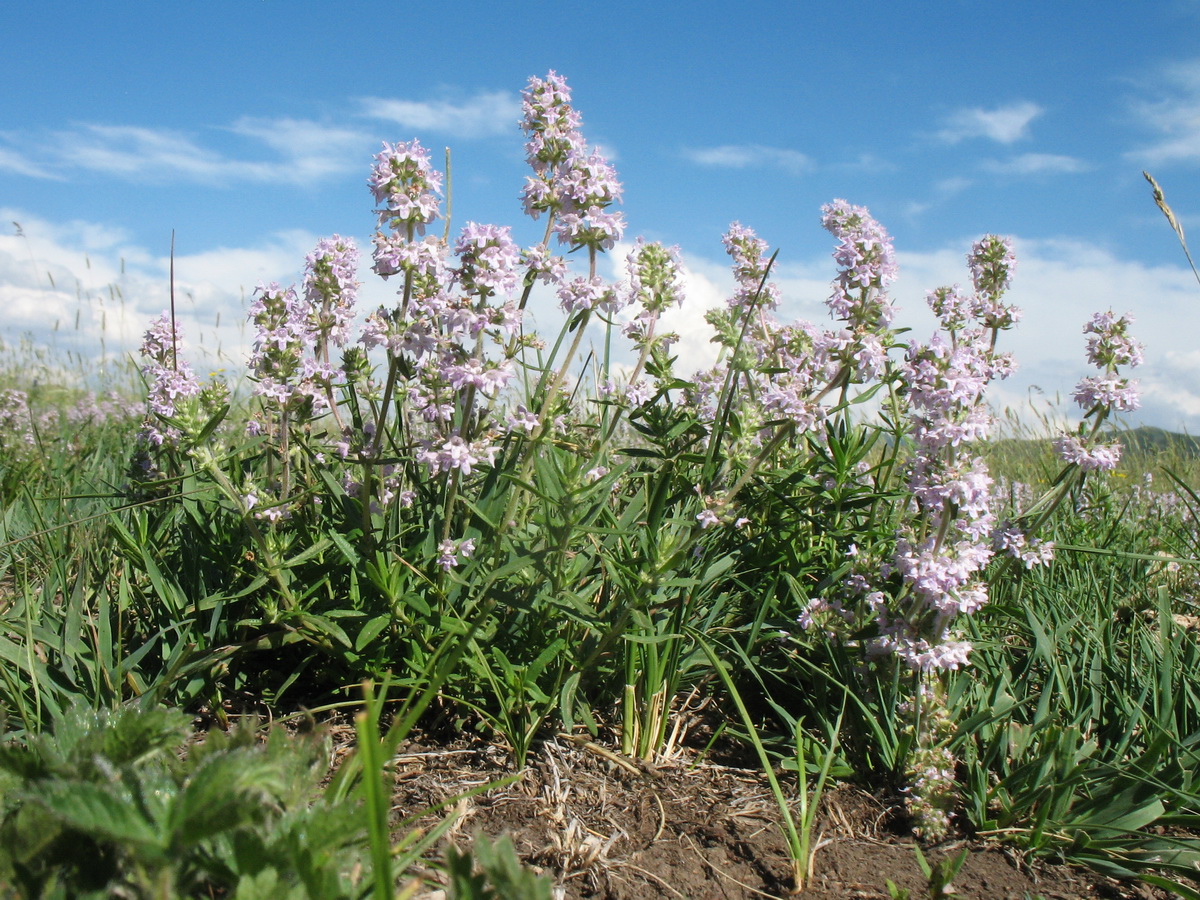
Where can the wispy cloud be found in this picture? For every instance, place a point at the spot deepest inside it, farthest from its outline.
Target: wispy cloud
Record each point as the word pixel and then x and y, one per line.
pixel 312 150
pixel 280 151
pixel 13 161
pixel 1004 124
pixel 745 156
pixel 484 115
pixel 1036 164
pixel 149 153
pixel 1175 115
pixel 943 190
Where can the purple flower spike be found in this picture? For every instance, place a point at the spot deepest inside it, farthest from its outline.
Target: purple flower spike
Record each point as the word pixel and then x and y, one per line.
pixel 406 186
pixel 868 266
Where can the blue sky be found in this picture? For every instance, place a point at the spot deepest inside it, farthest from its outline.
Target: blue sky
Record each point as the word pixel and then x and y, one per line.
pixel 248 127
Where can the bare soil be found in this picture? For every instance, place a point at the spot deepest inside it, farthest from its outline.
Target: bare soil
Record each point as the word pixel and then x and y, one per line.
pixel 607 828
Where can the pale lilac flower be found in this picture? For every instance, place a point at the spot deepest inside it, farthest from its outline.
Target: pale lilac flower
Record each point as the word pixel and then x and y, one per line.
pixel 552 125
pixel 406 186
pixel 456 454
pixel 868 266
pixel 951 306
pixel 331 289
pixel 450 551
pixel 424 260
pixel 545 266
pixel 992 262
pixel 582 294
pixel 1031 552
pixel 590 226
pixel 1073 450
pixel 522 419
pixel 575 185
pixel 1116 394
pixel 638 393
pixel 750 263
pixel 1109 344
pixel 489 260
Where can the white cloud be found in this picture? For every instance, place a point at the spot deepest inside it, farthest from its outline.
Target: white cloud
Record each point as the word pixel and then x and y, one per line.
pixel 298 152
pixel 79 285
pixel 148 153
pixel 1175 115
pixel 1036 164
pixel 1004 124
pixel 484 115
pixel 12 161
pixel 1059 284
pixel 744 156
pixel 308 150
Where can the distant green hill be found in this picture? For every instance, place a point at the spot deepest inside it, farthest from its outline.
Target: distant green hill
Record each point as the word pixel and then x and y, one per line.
pixel 1154 441
pixel 1145 440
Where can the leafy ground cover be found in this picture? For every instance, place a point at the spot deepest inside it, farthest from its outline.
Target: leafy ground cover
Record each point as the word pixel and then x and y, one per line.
pixel 771 627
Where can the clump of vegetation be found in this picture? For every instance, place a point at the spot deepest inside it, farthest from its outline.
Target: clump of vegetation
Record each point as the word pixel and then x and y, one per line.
pixel 434 496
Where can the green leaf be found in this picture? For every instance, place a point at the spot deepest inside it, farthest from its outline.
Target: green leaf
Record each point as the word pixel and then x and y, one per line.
pixel 370 631
pixel 100 811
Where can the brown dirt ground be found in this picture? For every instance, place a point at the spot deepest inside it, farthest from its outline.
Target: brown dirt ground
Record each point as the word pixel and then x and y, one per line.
pixel 607 828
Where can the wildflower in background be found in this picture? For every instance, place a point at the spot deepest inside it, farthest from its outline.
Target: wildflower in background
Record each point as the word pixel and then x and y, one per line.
pixel 171 381
pixel 450 551
pixel 1109 348
pixel 330 289
pixel 456 454
pixel 1031 552
pixel 16 421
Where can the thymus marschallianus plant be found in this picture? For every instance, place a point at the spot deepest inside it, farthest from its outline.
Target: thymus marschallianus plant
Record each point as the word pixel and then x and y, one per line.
pixel 480 466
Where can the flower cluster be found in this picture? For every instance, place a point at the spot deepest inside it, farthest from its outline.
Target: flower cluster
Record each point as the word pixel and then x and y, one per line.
pixel 171 382
pixel 750 264
pixel 16 422
pixel 574 185
pixel 868 266
pixel 406 187
pixel 287 373
pixel 1109 348
pixel 655 282
pixel 946 543
pixel 330 289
